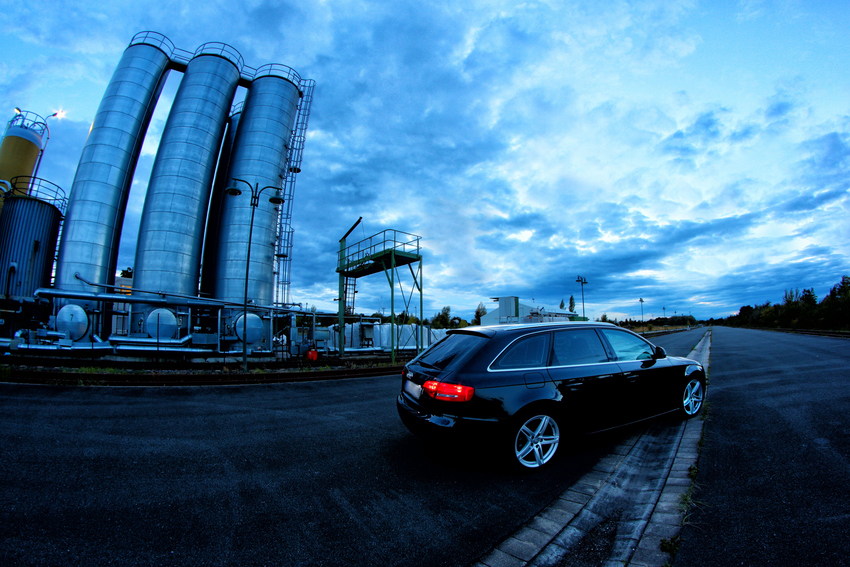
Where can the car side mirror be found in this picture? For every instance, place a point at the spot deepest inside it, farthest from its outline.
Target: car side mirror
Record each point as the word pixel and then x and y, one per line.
pixel 660 352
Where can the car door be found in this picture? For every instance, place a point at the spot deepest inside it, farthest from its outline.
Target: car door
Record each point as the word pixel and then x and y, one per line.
pixel 586 379
pixel 645 378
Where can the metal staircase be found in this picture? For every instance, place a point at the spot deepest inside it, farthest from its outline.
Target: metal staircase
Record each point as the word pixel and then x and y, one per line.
pixel 350 291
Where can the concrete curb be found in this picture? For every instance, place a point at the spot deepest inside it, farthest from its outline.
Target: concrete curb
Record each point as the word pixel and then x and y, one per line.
pixel 648 501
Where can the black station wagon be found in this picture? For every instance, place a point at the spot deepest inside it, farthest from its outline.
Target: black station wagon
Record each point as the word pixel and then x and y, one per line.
pixel 524 386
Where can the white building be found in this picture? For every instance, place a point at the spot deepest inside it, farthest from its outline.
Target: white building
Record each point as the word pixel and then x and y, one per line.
pixel 512 311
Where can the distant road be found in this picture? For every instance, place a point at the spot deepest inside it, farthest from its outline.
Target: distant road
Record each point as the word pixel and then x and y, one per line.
pixel 774 474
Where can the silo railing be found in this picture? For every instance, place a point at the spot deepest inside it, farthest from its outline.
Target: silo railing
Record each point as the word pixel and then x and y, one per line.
pixel 28 120
pixel 42 189
pixel 154 39
pixel 222 50
pixel 276 70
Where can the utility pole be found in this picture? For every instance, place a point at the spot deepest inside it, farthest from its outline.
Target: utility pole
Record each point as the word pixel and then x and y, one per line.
pixel 582 281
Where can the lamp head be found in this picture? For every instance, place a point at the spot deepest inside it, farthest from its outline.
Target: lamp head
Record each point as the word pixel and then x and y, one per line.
pixel 276 199
pixel 232 191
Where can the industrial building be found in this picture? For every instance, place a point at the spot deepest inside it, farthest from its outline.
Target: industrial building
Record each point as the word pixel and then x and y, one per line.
pixel 512 311
pixel 212 264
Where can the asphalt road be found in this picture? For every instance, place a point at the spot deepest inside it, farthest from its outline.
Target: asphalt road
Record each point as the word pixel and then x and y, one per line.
pixel 296 474
pixel 773 487
pixel 316 473
pixel 680 343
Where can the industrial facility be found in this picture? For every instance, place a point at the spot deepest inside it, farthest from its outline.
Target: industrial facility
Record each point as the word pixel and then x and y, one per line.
pixel 212 264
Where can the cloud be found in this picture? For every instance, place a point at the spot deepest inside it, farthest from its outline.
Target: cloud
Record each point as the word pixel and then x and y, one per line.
pixel 692 140
pixel 829 158
pixel 525 143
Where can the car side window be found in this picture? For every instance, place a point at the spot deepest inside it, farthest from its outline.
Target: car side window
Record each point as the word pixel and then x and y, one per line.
pixel 579 346
pixel 627 346
pixel 528 352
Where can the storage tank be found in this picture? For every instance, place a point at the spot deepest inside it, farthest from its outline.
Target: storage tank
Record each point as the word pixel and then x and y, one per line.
pixel 21 148
pixel 259 163
pixel 29 228
pixel 104 175
pixel 170 243
pixel 214 215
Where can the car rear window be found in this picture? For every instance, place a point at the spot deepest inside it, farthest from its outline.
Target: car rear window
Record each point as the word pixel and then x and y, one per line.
pixel 528 352
pixel 451 352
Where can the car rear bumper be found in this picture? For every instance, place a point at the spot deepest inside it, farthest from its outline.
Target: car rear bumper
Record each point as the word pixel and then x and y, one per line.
pixel 445 428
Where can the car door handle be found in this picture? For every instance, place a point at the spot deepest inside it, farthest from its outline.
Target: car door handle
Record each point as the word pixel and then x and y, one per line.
pixel 632 377
pixel 595 379
pixel 573 384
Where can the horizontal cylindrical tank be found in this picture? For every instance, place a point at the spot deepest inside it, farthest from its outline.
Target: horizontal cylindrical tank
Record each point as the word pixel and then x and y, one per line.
pixel 105 172
pixel 170 243
pixel 73 322
pixel 259 162
pixel 162 324
pixel 251 327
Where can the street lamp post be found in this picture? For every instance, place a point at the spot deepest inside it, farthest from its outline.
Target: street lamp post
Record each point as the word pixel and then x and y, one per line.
pixel 582 281
pixel 44 145
pixel 641 311
pixel 255 201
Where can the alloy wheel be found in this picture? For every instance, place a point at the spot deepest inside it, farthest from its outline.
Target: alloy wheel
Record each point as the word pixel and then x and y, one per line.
pixel 692 398
pixel 536 441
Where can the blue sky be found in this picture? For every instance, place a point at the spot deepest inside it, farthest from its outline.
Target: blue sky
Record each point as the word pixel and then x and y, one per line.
pixel 693 154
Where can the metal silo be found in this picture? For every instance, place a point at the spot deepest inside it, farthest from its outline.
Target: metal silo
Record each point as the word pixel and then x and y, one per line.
pixel 169 247
pixel 29 228
pixel 260 159
pixel 22 143
pixel 21 148
pixel 101 185
pixel 214 216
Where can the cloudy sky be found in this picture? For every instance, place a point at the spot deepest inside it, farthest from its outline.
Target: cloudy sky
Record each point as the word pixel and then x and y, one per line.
pixel 694 154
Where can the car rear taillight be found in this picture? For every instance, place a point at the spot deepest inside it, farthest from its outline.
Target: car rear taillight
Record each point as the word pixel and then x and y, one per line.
pixel 448 392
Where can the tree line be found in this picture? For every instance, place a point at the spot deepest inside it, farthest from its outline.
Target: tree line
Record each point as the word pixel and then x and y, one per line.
pixel 654 323
pixel 441 320
pixel 798 311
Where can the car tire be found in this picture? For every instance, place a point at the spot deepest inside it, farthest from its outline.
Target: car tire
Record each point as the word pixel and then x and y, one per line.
pixel 693 397
pixel 534 440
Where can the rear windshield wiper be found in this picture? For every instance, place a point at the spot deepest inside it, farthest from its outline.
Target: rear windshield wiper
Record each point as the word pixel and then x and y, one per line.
pixel 427 365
